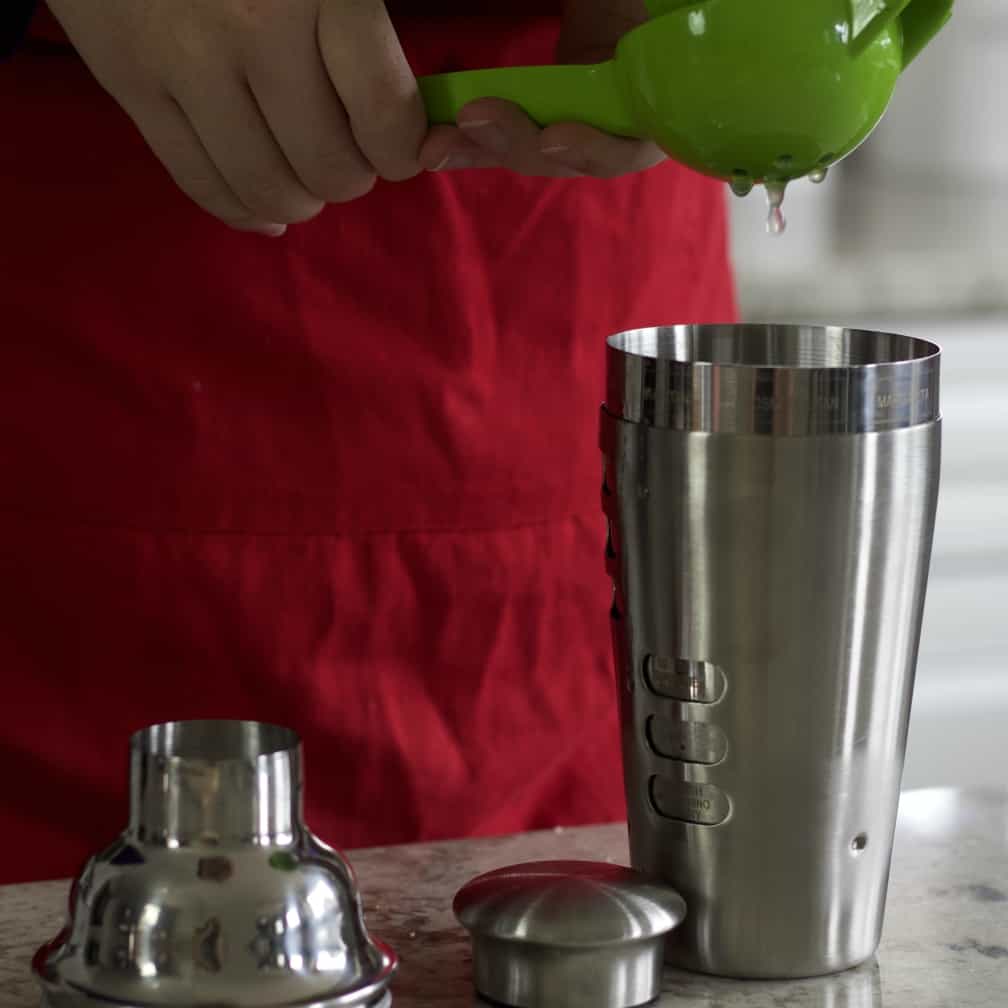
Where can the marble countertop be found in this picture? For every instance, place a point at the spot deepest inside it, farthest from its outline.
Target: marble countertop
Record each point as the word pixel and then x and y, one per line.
pixel 945 943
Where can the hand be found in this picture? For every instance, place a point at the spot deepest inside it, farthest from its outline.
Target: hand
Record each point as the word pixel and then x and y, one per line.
pixel 262 111
pixel 493 133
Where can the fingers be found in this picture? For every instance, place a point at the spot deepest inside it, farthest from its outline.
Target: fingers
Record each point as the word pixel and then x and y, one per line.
pixel 262 111
pixel 302 109
pixel 504 130
pixel 447 148
pixel 498 133
pixel 368 69
pixel 592 152
pixel 491 133
pixel 174 142
pixel 235 134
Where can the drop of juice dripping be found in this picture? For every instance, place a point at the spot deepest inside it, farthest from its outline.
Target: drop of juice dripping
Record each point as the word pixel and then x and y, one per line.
pixel 817 176
pixel 775 197
pixel 741 184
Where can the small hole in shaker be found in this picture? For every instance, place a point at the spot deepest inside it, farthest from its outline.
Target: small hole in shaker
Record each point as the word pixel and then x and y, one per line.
pixel 859 843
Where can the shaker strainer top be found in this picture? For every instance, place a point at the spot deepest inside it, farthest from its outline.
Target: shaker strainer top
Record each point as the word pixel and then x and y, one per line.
pixel 216 893
pixel 772 379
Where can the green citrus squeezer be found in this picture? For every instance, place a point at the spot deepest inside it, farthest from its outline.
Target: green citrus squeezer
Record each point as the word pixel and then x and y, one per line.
pixel 757 90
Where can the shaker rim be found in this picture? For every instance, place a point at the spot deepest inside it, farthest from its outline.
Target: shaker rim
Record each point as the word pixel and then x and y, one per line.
pixel 213 739
pixel 654 343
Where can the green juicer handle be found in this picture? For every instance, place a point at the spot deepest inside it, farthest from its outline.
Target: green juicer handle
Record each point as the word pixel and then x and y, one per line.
pixel 921 20
pixel 591 94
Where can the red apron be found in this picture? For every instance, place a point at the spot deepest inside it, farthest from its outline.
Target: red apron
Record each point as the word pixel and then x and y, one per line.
pixel 346 480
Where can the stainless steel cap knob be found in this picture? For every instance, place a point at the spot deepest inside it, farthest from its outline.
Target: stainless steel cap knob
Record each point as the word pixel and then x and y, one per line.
pixel 568 933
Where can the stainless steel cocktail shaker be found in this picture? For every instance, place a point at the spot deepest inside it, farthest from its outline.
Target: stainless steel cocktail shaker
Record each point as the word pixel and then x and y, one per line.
pixel 771 495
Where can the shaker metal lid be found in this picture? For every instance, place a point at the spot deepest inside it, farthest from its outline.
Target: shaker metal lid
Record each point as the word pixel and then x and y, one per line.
pixel 568 934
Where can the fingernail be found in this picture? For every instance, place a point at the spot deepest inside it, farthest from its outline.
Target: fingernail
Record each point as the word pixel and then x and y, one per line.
pixel 261 227
pixel 452 161
pixel 564 156
pixel 487 134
